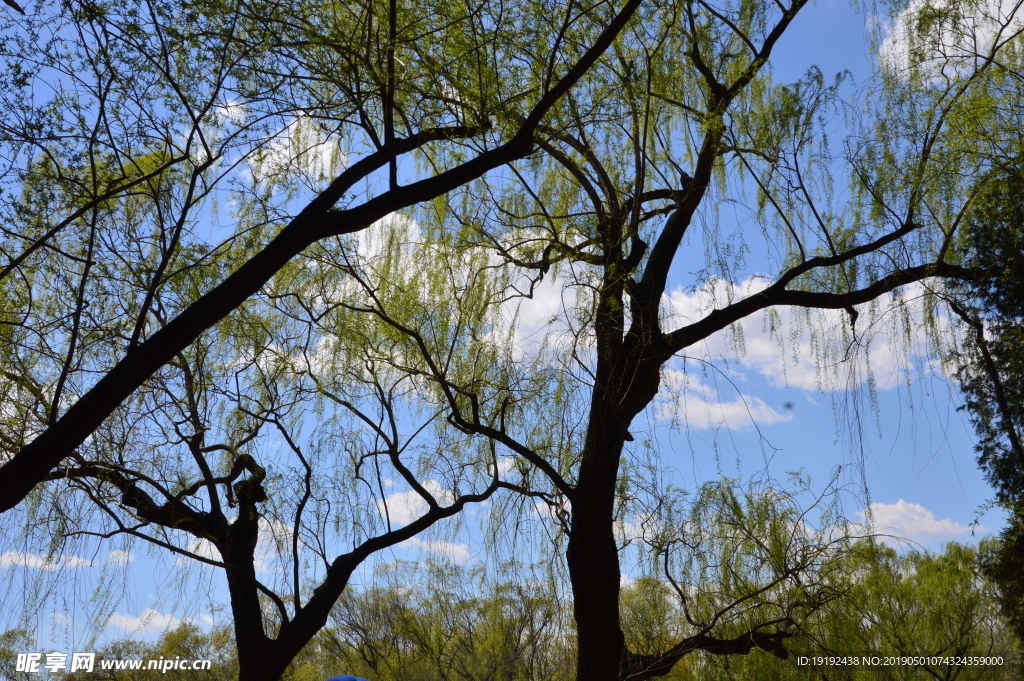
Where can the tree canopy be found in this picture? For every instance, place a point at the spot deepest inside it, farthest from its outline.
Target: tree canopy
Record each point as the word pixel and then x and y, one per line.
pixel 992 372
pixel 267 265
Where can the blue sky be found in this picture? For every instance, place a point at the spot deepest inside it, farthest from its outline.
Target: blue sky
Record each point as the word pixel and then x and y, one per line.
pixel 909 454
pixel 919 463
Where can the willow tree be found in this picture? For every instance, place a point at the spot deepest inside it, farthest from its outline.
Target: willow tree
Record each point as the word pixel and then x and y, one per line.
pixel 990 366
pixel 167 169
pixel 625 197
pixel 153 109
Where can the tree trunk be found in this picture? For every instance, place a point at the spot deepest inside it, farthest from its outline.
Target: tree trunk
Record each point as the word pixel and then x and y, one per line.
pixel 256 658
pixel 593 556
pixel 260 657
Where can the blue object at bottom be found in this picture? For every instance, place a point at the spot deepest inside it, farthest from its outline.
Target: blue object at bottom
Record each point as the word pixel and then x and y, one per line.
pixel 346 677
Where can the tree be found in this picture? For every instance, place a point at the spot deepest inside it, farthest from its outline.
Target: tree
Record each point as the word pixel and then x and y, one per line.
pixel 945 46
pixel 992 371
pixel 11 643
pixel 934 606
pixel 185 641
pixel 682 118
pixel 441 621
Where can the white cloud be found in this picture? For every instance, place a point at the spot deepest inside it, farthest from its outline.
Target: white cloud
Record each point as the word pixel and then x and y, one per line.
pixel 120 557
pixel 942 35
pixel 911 521
pixel 389 252
pixel 700 406
pixel 203 548
pixel 149 621
pixel 404 507
pixel 393 234
pixel 541 313
pixel 458 553
pixel 274 542
pixel 231 110
pixel 40 562
pixel 273 534
pixel 543 508
pixel 627 532
pixel 540 319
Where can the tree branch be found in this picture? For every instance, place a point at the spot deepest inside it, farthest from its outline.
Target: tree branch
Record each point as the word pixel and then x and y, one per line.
pixel 777 295
pixel 640 667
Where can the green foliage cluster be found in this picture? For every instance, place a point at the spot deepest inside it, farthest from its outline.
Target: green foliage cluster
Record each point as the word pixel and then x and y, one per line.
pixel 993 376
pixel 186 641
pixel 917 604
pixel 994 240
pixel 445 622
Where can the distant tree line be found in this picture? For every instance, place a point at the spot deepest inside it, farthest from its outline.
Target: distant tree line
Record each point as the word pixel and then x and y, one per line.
pixel 442 622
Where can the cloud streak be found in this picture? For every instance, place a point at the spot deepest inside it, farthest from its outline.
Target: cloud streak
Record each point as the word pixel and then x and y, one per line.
pixel 40 562
pixel 458 553
pixel 148 622
pixel 937 36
